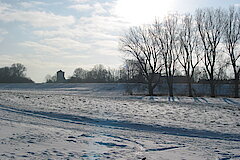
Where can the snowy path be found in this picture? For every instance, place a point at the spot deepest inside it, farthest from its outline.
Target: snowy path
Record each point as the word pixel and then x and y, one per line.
pixel 63 141
pixel 36 125
pixel 124 125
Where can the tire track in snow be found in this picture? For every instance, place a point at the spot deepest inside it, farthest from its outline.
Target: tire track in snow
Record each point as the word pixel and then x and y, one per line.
pixel 124 125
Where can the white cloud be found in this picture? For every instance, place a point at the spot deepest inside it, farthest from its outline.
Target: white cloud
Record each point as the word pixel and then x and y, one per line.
pixel 100 33
pixel 66 43
pixel 76 56
pixel 76 32
pixel 57 46
pixel 82 7
pixel 31 4
pixel 106 44
pixel 237 5
pixel 94 8
pixel 34 18
pixel 88 29
pixel 99 8
pixel 80 1
pixel 105 24
pixel 4 7
pixel 108 52
pixel 41 48
pixel 40 19
pixel 2 34
pixel 65 32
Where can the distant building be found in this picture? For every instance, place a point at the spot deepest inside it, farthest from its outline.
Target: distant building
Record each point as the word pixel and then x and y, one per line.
pixel 60 77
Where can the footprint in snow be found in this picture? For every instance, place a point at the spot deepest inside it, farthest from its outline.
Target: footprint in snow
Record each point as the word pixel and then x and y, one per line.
pixel 85 135
pixel 71 139
pixel 111 144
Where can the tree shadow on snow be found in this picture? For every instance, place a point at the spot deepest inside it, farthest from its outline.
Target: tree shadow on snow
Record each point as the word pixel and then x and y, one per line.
pixel 124 125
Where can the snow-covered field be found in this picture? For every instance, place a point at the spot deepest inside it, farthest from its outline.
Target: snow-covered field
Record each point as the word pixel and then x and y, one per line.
pixel 91 121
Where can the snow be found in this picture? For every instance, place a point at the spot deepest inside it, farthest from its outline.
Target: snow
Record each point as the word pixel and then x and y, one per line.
pixel 100 121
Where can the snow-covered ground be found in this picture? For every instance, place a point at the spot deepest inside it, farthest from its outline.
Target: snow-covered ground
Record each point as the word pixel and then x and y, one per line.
pixel 91 121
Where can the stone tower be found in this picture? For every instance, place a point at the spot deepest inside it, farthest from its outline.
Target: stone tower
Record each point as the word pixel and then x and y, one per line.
pixel 60 77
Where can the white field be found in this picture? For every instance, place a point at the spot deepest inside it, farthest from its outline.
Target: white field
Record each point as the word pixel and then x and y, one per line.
pixel 99 121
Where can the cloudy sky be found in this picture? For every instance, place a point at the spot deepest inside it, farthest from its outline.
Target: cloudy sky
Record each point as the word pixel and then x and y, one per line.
pixel 48 35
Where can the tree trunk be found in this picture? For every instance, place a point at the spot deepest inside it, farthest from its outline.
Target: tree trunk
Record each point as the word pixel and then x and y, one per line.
pixel 171 90
pixel 170 86
pixel 212 88
pixel 150 89
pixel 190 87
pixel 236 95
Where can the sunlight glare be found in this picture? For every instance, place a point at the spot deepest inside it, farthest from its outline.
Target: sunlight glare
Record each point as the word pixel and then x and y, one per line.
pixel 139 12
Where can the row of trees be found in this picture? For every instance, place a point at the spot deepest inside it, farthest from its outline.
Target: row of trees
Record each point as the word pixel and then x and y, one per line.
pixel 98 74
pixel 209 40
pixel 14 74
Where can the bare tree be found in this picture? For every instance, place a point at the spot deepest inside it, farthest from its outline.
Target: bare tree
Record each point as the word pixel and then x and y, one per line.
pixel 222 68
pixel 189 56
pixel 140 43
pixel 210 27
pixel 18 70
pixel 99 74
pixel 80 73
pixel 14 74
pixel 167 35
pixel 51 79
pixel 131 67
pixel 231 40
pixel 133 73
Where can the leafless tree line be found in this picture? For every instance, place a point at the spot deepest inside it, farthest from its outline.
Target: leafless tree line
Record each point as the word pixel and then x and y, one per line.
pixel 14 74
pixel 208 39
pixel 98 74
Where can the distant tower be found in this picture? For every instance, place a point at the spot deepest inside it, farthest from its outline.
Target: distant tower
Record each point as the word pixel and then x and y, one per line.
pixel 60 77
